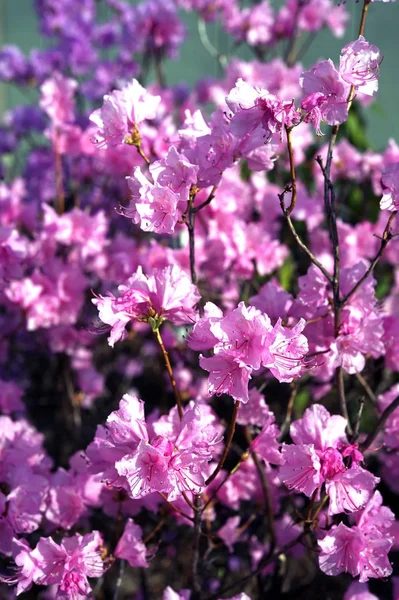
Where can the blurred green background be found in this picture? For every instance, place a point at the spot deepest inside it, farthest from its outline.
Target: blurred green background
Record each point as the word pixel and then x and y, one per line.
pixel 18 26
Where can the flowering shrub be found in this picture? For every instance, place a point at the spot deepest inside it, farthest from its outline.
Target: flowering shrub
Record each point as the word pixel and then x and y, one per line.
pixel 199 360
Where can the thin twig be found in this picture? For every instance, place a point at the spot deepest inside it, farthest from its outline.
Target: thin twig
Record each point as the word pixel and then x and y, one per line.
pixel 356 424
pixel 230 436
pixel 143 156
pixel 369 392
pixel 118 584
pixel 292 170
pixel 209 47
pixel 268 558
pixel 207 201
pixel 342 398
pixel 380 424
pixel 157 528
pixel 290 54
pixel 170 373
pixel 175 508
pixel 190 221
pixel 288 416
pixel 386 237
pixel 267 497
pixel 365 9
pixel 196 583
pixel 244 456
pixel 300 243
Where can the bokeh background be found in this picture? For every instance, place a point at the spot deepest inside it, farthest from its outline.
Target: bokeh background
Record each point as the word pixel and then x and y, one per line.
pixel 18 25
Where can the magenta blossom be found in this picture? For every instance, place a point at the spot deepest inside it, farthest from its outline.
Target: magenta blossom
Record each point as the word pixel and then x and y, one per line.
pixel 390 188
pixel 244 341
pixel 67 565
pixel 360 64
pixel 255 109
pixel 167 294
pixel 120 114
pixel 362 549
pixel 57 99
pixel 131 546
pixel 319 456
pixel 326 80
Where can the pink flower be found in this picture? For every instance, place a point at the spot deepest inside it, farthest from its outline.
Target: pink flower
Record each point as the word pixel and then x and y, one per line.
pixel 359 591
pixel 124 430
pixel 325 79
pixel 121 112
pixel 229 532
pixel 166 294
pixel 253 108
pixel 360 64
pixel 390 187
pixel 147 469
pixel 175 172
pixel 255 412
pixel 349 489
pixel 67 565
pixel 131 546
pixel 273 300
pixel 355 551
pixel 201 336
pixel 242 334
pixel 227 375
pixel 170 463
pixel 285 350
pixel 317 457
pixel 319 428
pixel 57 99
pixel 301 469
pixel 265 444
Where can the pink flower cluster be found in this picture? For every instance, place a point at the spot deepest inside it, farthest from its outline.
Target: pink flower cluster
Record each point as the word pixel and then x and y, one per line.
pixel 244 341
pixel 174 459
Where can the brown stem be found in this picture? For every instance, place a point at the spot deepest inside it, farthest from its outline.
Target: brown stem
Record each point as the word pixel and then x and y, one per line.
pixel 319 508
pixel 380 424
pixel 207 201
pixel 174 507
pixel 290 54
pixel 342 398
pixel 356 424
pixel 143 156
pixel 292 170
pixel 288 416
pixel 244 456
pixel 170 373
pixel 300 243
pixel 230 436
pixel 267 559
pixel 157 528
pixel 267 497
pixel 196 583
pixel 362 25
pixel 386 237
pixel 369 392
pixel 191 242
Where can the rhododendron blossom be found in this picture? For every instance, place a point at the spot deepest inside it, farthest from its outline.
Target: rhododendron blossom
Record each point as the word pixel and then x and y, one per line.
pixel 359 65
pixel 118 119
pixel 317 457
pixel 164 295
